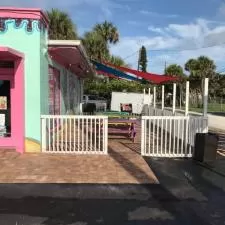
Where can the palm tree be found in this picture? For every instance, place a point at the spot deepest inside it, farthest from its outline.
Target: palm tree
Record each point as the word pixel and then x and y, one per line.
pixel 108 31
pixel 177 71
pixel 117 61
pixel 97 41
pixel 61 26
pixel 199 69
pixel 95 46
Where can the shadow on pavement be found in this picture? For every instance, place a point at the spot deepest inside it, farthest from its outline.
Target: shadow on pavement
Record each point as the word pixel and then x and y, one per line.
pixel 187 194
pixel 161 207
pixel 187 180
pixel 133 168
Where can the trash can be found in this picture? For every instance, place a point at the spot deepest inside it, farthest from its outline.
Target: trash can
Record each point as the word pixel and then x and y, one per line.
pixel 89 108
pixel 205 147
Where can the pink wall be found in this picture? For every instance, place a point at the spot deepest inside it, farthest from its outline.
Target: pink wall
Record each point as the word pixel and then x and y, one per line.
pixel 17 104
pixel 26 13
pixel 18 109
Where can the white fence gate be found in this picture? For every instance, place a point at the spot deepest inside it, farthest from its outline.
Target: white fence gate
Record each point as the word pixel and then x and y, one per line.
pixel 171 136
pixel 74 134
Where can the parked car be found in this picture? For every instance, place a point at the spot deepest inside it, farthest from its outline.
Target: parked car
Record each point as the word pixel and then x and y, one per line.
pixel 98 103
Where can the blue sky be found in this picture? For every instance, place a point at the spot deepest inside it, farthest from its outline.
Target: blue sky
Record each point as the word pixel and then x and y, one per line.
pixel 168 29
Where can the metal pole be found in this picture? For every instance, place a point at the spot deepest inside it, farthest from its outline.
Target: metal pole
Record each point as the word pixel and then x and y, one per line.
pixel 163 91
pixel 205 106
pixel 174 98
pixel 187 99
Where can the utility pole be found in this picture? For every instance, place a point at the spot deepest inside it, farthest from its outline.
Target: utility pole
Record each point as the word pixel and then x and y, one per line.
pixel 139 55
pixel 165 68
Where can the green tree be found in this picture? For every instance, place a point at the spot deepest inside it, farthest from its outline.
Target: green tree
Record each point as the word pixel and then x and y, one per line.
pixel 142 61
pixel 95 46
pixel 105 89
pixel 61 26
pixel 108 31
pixel 175 70
pixel 117 61
pixel 98 40
pixel 199 69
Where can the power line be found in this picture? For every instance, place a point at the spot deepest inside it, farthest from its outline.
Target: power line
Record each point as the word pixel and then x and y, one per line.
pixel 176 50
pixel 131 55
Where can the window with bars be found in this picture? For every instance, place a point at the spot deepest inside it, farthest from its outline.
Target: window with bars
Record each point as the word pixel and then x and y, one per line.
pixel 54 91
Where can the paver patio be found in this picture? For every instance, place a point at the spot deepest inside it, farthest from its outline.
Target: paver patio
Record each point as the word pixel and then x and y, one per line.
pixel 121 165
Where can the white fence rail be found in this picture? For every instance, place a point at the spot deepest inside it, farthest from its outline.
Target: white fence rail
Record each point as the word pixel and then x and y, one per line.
pixel 170 136
pixel 74 134
pixel 169 112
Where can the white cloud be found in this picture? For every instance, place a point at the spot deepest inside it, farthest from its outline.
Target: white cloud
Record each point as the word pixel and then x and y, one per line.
pixel 155 14
pixel 156 30
pixel 175 43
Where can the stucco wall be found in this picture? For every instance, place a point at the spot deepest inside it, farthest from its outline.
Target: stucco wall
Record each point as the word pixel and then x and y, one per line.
pixel 44 61
pixel 32 44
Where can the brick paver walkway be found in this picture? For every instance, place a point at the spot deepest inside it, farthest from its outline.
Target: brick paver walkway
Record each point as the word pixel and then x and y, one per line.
pixel 121 165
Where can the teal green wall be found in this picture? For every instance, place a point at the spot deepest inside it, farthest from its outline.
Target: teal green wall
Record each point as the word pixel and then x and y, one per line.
pixel 33 45
pixel 44 61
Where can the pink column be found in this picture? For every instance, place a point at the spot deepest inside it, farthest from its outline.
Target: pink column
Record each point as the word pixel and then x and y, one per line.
pixel 18 117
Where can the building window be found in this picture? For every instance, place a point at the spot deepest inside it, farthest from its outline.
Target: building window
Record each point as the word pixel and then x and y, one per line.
pixel 54 91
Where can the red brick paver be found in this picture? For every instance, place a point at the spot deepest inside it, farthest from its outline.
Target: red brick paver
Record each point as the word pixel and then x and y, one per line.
pixel 121 165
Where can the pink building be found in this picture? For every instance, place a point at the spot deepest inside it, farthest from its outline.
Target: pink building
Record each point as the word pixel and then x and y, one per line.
pixel 37 76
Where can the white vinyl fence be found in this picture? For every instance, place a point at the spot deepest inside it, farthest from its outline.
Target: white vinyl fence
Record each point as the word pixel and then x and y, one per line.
pixel 74 134
pixel 170 136
pixel 164 112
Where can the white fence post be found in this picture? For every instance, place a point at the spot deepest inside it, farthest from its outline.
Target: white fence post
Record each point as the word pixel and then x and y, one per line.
pixel 144 96
pixel 154 96
pixel 187 99
pixel 163 93
pixel 143 133
pixel 174 98
pixel 205 103
pixel 43 135
pixel 106 135
pixel 149 96
pixel 205 125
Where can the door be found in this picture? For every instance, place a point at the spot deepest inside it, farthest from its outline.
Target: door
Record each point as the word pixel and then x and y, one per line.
pixel 12 101
pixel 54 91
pixel 6 125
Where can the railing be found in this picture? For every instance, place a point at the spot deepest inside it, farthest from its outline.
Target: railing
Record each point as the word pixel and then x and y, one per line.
pixel 74 134
pixel 168 112
pixel 170 136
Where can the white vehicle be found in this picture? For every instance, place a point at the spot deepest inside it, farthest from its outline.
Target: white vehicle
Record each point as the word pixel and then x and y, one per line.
pixel 100 102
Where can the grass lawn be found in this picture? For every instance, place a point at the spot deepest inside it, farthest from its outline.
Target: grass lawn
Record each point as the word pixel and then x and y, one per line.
pixel 212 107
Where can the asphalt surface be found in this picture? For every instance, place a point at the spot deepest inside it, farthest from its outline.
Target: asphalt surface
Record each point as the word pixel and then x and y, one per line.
pixel 187 194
